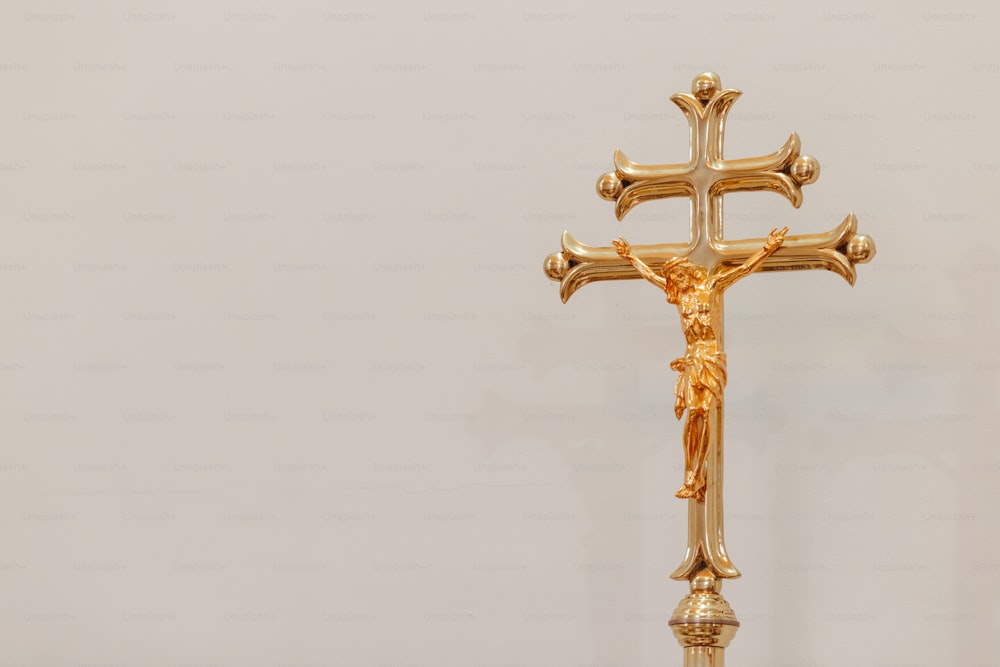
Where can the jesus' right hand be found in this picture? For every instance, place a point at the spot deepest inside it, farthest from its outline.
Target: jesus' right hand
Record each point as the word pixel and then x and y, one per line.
pixel 622 246
pixel 777 237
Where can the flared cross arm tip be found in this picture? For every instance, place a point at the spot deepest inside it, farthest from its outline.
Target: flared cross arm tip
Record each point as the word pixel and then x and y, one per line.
pixel 842 255
pixel 838 250
pixel 579 264
pixel 860 248
pixel 632 183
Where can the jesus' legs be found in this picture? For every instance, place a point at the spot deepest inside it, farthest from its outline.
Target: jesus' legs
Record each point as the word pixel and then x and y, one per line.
pixel 700 443
pixel 695 447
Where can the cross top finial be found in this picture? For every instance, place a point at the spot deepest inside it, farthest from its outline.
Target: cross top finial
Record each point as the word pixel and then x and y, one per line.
pixel 705 86
pixel 707 175
pixel 706 108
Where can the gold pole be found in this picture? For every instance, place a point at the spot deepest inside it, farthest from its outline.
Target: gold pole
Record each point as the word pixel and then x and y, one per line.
pixel 704 656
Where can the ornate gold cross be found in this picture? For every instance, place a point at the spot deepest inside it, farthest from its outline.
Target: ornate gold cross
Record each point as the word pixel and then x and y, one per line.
pixel 704 622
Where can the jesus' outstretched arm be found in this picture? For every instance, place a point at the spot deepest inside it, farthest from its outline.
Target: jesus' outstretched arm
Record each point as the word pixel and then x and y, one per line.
pixel 625 250
pixel 774 241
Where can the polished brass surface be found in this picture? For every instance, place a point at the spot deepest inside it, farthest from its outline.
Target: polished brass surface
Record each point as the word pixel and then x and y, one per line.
pixel 704 656
pixel 694 275
pixel 704 618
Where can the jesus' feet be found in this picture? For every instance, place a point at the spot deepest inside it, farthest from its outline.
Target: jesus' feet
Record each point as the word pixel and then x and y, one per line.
pixel 686 491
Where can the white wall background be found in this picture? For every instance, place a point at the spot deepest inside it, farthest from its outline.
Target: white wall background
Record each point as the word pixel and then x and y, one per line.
pixel 283 384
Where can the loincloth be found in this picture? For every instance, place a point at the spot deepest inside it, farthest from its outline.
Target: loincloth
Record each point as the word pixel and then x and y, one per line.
pixel 702 378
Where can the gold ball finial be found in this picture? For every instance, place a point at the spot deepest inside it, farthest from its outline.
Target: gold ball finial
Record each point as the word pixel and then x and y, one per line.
pixel 556 265
pixel 860 249
pixel 609 186
pixel 704 582
pixel 805 169
pixel 706 85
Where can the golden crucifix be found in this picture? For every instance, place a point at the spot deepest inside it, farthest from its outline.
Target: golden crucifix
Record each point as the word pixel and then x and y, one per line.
pixel 702 369
pixel 694 276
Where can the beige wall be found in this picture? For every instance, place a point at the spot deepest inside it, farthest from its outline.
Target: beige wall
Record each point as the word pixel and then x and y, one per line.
pixel 283 384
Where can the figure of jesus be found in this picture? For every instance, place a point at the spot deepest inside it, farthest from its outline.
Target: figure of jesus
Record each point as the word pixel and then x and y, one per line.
pixel 702 369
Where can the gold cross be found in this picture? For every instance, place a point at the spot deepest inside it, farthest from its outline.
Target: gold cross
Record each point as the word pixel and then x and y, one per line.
pixel 705 178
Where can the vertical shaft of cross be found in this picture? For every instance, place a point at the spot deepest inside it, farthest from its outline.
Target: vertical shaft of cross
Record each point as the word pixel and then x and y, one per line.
pixel 705 206
pixel 706 546
pixel 703 621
